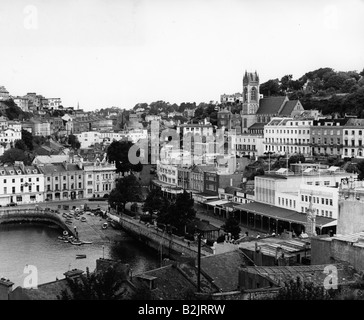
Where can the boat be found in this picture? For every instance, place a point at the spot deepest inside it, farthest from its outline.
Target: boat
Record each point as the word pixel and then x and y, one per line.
pixel 77 218
pixel 80 256
pixel 105 225
pixel 76 243
pixel 65 233
pixel 86 242
pixel 65 241
pixel 83 219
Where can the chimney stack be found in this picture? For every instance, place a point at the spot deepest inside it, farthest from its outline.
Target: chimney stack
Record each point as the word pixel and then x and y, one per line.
pixel 6 287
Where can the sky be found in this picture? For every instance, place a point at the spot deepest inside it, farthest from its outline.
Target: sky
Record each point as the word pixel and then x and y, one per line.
pixel 104 53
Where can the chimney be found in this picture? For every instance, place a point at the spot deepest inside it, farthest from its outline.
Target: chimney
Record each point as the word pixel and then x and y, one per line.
pixel 6 286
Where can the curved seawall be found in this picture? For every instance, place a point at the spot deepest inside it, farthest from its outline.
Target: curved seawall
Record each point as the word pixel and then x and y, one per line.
pixel 32 216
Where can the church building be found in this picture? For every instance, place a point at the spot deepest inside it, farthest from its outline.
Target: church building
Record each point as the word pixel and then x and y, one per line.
pixel 257 110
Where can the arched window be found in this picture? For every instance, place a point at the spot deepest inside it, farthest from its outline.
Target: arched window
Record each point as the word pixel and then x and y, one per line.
pixel 253 95
pixel 245 94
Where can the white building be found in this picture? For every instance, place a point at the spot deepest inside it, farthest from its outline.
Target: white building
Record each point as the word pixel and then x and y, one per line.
pixel 10 136
pixel 295 192
pixel 288 136
pixel 151 117
pixel 99 179
pixel 353 138
pixel 21 184
pixel 89 138
pixel 54 103
pixel 201 129
pixel 167 173
pixel 249 145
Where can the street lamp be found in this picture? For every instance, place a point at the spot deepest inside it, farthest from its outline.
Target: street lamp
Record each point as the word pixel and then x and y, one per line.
pixel 199 236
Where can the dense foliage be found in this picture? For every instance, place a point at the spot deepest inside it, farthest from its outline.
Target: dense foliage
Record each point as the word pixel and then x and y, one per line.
pixel 118 152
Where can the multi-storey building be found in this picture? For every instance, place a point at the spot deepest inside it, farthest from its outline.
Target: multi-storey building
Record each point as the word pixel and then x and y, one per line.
pixel 285 189
pixel 22 103
pixel 167 172
pixel 249 145
pixel 88 138
pixel 40 128
pixel 63 181
pixel 54 103
pixel 353 138
pixel 201 129
pixel 102 125
pixel 4 94
pixel 327 136
pixel 21 184
pixel 99 178
pixel 10 131
pixel 288 136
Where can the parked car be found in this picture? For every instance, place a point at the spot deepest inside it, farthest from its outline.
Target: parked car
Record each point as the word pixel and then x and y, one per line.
pixel 12 204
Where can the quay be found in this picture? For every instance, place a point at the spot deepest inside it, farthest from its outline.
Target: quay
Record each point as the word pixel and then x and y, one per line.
pixel 33 216
pixel 167 244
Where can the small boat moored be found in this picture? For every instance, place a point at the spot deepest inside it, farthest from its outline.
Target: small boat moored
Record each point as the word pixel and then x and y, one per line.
pixel 65 233
pixel 80 256
pixel 105 225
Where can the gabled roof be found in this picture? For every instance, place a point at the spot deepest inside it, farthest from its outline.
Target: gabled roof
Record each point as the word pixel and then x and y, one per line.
pixel 257 126
pixel 271 105
pixel 288 107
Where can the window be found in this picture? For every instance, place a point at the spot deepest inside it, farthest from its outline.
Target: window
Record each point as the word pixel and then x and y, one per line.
pixel 13 190
pixel 13 180
pixel 19 199
pixel 79 185
pixel 37 188
pixel 89 183
pixel 326 183
pixel 331 202
pixel 89 191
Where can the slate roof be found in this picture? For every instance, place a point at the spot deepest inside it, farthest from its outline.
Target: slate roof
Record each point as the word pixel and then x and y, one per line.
pixel 288 107
pixel 257 125
pixel 271 105
pixel 173 282
pixel 314 273
pixel 51 159
pixel 223 268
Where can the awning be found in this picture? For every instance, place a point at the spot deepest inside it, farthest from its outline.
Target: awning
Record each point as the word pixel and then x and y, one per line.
pixel 217 203
pixel 330 224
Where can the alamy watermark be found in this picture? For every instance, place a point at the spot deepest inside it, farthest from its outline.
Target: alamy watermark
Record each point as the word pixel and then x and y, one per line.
pixel 31 280
pixel 197 148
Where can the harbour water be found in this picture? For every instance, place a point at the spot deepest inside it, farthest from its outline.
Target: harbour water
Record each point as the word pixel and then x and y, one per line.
pixel 38 245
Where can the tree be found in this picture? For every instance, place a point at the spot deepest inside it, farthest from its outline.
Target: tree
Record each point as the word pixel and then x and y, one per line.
pixel 118 152
pixel 127 190
pixel 360 167
pixel 73 141
pixel 14 154
pixel 155 202
pixel 300 290
pixel 179 213
pixel 20 144
pixel 106 285
pixel 27 137
pixel 232 226
pixel 270 88
pixel 296 159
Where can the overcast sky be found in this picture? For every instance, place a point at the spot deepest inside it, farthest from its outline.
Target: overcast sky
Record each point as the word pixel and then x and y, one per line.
pixel 106 53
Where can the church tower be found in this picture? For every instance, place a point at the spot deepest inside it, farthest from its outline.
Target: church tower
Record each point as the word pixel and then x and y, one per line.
pixel 250 93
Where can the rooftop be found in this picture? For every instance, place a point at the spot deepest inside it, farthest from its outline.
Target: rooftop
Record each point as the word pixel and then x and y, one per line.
pixel 313 273
pixel 281 213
